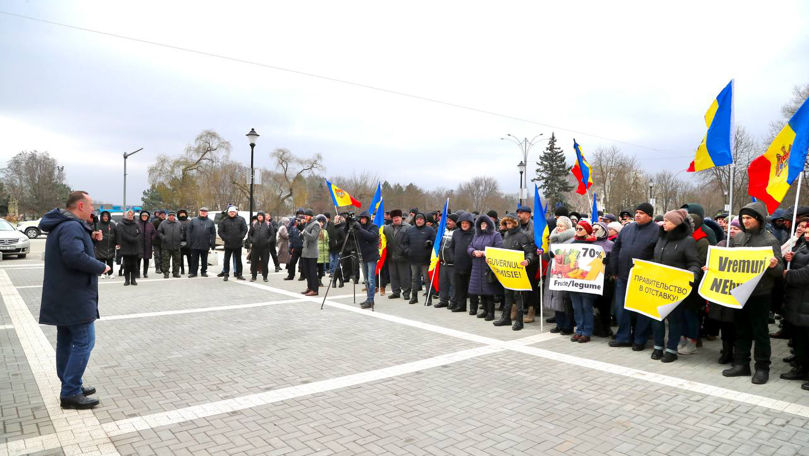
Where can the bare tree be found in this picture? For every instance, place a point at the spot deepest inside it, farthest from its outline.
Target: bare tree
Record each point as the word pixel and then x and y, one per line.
pixel 291 169
pixel 36 181
pixel 482 192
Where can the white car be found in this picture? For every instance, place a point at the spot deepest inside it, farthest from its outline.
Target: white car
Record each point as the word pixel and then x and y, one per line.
pixel 30 228
pixel 12 242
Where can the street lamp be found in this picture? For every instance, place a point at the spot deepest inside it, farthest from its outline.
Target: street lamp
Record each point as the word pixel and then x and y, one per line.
pixel 525 145
pixel 127 155
pixel 651 199
pixel 252 136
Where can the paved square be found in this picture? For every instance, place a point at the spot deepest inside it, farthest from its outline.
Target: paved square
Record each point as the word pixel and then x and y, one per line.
pixel 202 366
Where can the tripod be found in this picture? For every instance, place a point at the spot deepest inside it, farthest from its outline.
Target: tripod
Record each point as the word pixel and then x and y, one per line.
pixel 351 256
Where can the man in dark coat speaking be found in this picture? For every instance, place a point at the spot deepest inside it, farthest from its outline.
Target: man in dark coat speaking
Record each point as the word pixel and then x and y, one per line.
pixel 70 294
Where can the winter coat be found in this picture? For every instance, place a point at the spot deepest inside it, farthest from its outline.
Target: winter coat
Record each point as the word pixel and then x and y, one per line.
pixel 339 236
pixel 149 234
pixel 368 239
pixel 260 236
pixel 635 241
pixel 334 246
pixel 418 243
pixel 295 239
pixel 310 235
pixel 184 225
pixel 796 296
pixel 170 234
pixel 478 285
pixel 394 236
pixel 323 247
pixel 717 312
pixel 200 234
pixel 446 255
pixel 517 239
pixel 283 242
pixel 232 231
pixel 105 248
pixel 70 286
pixel 129 237
pixel 156 242
pixel 694 208
pixel 676 248
pixel 760 238
pixel 460 241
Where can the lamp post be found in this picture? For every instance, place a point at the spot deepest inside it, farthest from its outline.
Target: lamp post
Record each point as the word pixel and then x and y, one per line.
pixel 521 168
pixel 127 155
pixel 651 199
pixel 252 136
pixel 525 145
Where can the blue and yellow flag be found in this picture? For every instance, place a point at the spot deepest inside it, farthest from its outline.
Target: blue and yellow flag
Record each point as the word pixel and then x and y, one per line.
pixel 716 148
pixel 439 237
pixel 582 171
pixel 541 233
pixel 376 200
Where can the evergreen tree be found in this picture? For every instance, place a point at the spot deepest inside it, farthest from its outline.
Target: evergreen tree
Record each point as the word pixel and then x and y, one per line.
pixel 552 173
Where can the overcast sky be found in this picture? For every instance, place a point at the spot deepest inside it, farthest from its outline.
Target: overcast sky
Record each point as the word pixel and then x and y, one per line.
pixel 635 74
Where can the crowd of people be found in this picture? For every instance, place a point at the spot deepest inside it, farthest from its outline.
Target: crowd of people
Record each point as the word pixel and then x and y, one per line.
pixel 345 248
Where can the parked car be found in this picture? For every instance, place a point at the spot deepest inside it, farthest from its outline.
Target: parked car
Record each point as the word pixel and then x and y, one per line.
pixel 13 242
pixel 31 228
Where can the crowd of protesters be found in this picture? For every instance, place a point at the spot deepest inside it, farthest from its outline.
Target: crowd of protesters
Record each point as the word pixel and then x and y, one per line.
pixel 345 248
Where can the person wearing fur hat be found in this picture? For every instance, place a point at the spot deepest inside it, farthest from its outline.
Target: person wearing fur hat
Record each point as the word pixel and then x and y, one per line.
pixel 516 239
pixel 399 266
pixel 482 282
pixel 637 240
pixel 752 319
pixel 259 238
pixel 675 247
pixel 558 301
pixel 418 244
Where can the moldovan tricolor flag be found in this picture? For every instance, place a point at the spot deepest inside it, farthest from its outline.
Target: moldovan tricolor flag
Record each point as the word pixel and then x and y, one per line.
pixel 716 148
pixel 771 174
pixel 379 220
pixel 341 197
pixel 582 171
pixel 435 265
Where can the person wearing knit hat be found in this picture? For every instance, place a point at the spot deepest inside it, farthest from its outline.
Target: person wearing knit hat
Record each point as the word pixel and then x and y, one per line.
pixel 585 224
pixel 646 208
pixel 614 228
pixel 675 217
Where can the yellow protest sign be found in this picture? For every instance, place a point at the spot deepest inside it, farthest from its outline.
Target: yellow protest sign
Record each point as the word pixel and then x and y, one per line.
pixel 506 267
pixel 733 273
pixel 654 289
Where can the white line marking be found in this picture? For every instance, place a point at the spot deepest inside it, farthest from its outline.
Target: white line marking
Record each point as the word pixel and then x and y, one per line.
pixel 121 282
pixel 6 326
pixel 77 432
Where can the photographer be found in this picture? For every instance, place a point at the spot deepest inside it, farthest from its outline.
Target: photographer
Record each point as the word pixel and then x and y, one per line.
pixel 418 243
pixel 367 235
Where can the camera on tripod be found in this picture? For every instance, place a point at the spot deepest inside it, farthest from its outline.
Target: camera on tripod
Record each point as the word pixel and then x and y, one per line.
pixel 349 217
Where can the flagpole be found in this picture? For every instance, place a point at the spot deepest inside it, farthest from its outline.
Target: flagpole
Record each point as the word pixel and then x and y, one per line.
pixel 438 260
pixel 730 202
pixel 795 211
pixel 541 292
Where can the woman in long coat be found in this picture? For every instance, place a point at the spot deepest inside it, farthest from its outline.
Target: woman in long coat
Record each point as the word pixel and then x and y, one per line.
pixel 283 241
pixel 482 281
pixel 149 234
pixel 130 242
pixel 558 301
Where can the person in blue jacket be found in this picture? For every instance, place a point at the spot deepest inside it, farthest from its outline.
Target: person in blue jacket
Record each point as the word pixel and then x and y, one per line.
pixel 70 294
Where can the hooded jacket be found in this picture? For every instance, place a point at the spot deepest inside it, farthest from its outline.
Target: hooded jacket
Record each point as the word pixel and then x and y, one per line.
pixel 694 208
pixel 760 237
pixel 70 285
pixel 129 237
pixel 149 234
pixel 490 237
pixel 170 234
pixel 418 243
pixel 460 241
pixel 367 236
pixel 260 235
pixel 105 248
pixel 796 296
pixel 232 231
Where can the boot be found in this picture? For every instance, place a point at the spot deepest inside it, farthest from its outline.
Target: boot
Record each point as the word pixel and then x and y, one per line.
pixel 797 373
pixel 761 376
pixel 489 309
pixel 738 370
pixel 126 279
pixel 132 279
pixel 518 322
pixel 727 353
pixel 414 299
pixel 509 313
pixel 529 317
pixel 381 291
pixel 483 308
pixel 473 306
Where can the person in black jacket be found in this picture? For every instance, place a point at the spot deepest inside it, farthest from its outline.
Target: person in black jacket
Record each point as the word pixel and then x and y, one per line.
pixel 295 247
pixel 201 237
pixel 157 248
pixel 171 235
pixel 105 248
pixel 398 265
pixel 515 239
pixel 796 309
pixel 259 237
pixel 675 247
pixel 367 235
pixel 446 273
pixel 418 244
pixel 185 247
pixel 232 230
pixel 130 242
pixel 460 240
pixel 273 251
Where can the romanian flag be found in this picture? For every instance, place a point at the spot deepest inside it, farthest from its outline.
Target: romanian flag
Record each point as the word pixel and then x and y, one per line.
pixel 594 216
pixel 340 197
pixel 716 148
pixel 582 171
pixel 435 266
pixel 379 220
pixel 541 232
pixel 771 174
pixel 376 201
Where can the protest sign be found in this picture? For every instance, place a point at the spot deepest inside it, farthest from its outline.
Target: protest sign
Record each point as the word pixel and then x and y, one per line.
pixel 577 267
pixel 733 273
pixel 654 289
pixel 506 267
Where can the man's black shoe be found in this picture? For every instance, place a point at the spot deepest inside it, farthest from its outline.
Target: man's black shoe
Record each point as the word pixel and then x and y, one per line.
pixel 88 390
pixel 301 278
pixel 221 274
pixel 78 402
pixel 366 304
pixel 566 332
pixel 638 347
pixel 393 296
pixel 550 320
pixel 289 278
pixel 240 277
pixel 440 304
pixel 225 278
pixel 204 274
pixel 459 309
pixel 761 376
pixel 556 330
pixel 615 343
pixel 191 276
pixel 739 370
pixel 796 374
pixel 176 276
pixel 413 300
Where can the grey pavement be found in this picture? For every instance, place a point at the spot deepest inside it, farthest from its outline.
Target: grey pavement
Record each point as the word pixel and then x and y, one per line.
pixel 201 366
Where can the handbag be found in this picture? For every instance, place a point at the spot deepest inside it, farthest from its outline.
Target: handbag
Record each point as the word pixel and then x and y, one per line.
pixel 489 275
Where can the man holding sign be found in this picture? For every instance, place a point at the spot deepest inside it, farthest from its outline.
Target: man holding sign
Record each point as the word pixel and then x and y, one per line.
pixel 751 319
pixel 512 274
